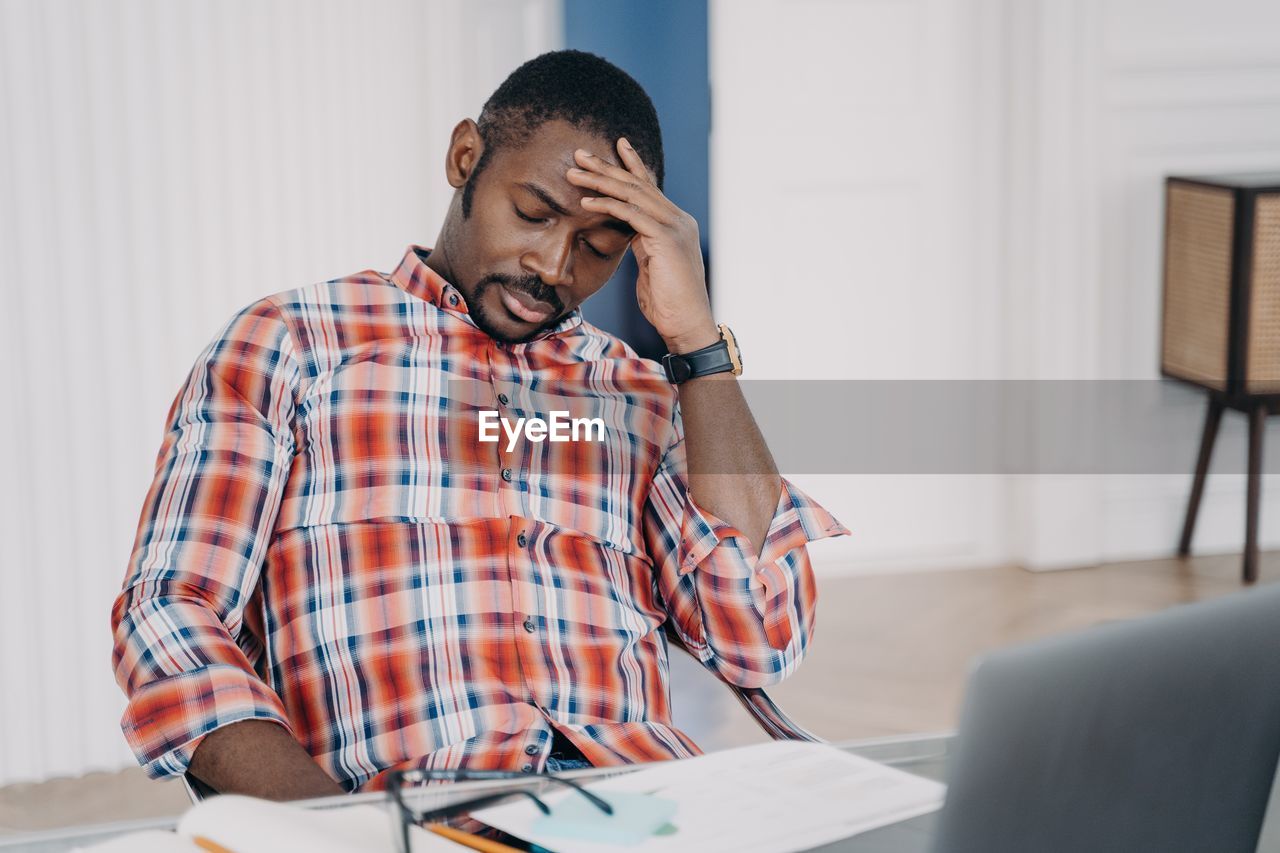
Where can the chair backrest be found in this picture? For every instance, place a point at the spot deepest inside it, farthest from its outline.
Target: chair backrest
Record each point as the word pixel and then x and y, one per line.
pixel 196 789
pixel 756 701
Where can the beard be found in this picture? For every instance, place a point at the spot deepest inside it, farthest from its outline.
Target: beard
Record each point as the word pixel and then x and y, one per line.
pixel 531 285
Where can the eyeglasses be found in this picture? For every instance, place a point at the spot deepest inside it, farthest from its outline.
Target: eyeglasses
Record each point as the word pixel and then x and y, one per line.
pixel 403 816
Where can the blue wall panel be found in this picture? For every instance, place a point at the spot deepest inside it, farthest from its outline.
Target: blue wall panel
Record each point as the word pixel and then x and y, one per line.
pixel 663 44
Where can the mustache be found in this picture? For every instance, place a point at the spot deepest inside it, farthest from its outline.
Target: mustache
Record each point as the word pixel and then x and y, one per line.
pixel 531 285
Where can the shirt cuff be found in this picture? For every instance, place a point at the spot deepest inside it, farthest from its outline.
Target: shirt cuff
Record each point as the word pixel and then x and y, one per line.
pixel 797 520
pixel 166 720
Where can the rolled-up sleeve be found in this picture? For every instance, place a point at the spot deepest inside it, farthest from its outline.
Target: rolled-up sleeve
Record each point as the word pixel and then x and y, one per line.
pixel 182 651
pixel 748 620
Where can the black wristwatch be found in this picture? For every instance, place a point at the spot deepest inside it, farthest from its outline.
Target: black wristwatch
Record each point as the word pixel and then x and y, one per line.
pixel 720 357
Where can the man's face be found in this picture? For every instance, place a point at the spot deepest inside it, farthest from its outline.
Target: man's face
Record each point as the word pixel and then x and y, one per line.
pixel 529 254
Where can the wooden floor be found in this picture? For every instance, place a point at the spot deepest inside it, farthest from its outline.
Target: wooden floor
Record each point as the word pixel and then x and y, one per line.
pixel 890 656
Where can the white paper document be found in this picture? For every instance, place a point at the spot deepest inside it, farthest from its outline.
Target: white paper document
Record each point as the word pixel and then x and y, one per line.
pixel 773 797
pixel 248 825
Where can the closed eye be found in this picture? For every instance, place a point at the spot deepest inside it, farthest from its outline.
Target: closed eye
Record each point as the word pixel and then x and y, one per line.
pixel 599 254
pixel 526 218
pixel 536 220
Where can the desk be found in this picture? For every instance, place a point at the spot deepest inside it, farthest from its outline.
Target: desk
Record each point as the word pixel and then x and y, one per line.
pixel 926 755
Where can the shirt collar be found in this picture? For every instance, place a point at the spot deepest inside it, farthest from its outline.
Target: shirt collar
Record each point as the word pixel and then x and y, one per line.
pixel 416 278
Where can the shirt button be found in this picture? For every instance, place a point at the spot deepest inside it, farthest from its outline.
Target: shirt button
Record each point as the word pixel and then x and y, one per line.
pixel 527 768
pixel 522 540
pixel 503 399
pixel 529 626
pixel 531 749
pixel 453 299
pixel 506 474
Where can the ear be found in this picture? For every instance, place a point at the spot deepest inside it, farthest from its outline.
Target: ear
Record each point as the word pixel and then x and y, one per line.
pixel 465 148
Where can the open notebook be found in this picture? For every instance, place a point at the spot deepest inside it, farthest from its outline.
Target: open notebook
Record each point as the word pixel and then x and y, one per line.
pixel 248 825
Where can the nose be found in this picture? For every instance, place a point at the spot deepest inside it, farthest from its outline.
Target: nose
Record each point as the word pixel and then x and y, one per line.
pixel 551 260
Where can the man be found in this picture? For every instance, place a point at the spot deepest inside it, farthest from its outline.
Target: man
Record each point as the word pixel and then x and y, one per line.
pixel 334 573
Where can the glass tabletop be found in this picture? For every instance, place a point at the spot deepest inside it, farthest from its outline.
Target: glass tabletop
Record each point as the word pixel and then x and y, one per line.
pixel 925 755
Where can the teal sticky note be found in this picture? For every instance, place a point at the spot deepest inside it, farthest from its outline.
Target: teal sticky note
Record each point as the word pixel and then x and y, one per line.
pixel 635 817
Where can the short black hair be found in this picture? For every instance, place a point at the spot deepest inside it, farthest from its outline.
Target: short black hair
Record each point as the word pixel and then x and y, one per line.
pixel 580 88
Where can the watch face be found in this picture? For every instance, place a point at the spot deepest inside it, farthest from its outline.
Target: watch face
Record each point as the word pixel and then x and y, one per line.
pixel 726 334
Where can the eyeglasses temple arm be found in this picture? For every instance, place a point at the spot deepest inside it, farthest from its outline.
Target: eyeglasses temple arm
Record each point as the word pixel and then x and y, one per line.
pixel 479 802
pixel 592 798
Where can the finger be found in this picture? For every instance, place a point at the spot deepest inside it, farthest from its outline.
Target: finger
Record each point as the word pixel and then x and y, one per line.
pixel 634 185
pixel 642 256
pixel 640 220
pixel 589 161
pixel 643 195
pixel 633 161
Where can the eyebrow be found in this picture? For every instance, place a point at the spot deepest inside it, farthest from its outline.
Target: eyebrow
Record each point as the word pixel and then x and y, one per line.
pixel 547 199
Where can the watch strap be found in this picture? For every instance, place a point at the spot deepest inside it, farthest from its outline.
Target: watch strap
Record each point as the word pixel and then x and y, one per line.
pixel 702 362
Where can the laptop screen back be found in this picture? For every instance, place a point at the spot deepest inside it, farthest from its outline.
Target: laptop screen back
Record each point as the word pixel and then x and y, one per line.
pixel 1160 734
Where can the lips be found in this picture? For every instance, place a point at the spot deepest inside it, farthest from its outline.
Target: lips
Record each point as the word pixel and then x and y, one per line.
pixel 525 306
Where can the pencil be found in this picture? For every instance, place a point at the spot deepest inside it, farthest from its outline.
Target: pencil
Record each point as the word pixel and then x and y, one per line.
pixel 466 839
pixel 211 846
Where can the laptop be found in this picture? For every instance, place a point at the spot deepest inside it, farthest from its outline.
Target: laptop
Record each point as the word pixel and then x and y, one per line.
pixel 1154 734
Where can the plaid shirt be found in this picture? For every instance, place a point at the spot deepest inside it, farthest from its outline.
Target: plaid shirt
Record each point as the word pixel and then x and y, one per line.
pixel 328 545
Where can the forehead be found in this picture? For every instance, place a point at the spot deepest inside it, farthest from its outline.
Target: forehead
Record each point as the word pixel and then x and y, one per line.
pixel 548 152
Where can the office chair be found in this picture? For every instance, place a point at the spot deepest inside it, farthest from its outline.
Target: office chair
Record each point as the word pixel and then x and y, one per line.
pixel 763 710
pixel 775 723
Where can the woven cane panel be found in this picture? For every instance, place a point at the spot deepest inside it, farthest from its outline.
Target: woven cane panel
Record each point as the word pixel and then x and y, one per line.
pixel 1263 370
pixel 1197 291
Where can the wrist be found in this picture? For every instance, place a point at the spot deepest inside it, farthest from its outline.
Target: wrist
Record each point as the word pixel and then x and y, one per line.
pixel 690 358
pixel 693 340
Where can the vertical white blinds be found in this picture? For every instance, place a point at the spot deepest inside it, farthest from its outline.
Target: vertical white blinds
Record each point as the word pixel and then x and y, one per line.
pixel 163 163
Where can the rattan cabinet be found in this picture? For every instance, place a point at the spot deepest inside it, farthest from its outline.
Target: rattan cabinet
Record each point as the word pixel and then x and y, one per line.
pixel 1220 327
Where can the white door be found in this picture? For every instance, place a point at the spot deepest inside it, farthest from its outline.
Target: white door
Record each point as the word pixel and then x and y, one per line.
pixel 854 192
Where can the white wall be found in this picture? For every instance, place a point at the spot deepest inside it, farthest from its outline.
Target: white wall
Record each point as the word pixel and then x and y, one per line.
pixel 163 163
pixel 950 189
pixel 1106 99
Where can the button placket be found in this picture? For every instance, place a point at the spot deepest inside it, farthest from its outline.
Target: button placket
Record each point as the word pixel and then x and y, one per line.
pixel 524 615
pixel 499 374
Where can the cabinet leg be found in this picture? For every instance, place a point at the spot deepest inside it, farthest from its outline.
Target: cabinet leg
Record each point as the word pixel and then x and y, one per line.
pixel 1257 426
pixel 1212 418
